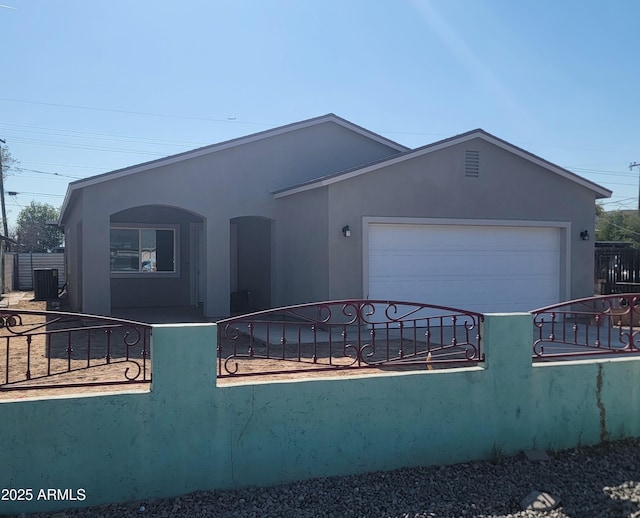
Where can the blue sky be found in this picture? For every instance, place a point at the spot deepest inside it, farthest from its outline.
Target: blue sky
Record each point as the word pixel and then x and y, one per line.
pixel 90 87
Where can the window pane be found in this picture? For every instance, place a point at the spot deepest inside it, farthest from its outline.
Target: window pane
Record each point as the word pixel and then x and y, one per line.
pixel 148 250
pixel 164 251
pixel 124 250
pixel 142 250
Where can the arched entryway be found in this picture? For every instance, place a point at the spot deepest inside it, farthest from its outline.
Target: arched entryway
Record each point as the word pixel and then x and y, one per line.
pixel 155 253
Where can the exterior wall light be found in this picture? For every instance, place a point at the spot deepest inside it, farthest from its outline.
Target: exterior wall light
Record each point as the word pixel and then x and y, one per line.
pixel 584 235
pixel 346 231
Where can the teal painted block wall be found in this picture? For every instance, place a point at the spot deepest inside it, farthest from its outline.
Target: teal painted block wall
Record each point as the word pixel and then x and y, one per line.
pixel 187 434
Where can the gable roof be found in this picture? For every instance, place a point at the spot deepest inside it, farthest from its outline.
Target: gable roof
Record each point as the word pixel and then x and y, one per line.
pixel 600 191
pixel 213 148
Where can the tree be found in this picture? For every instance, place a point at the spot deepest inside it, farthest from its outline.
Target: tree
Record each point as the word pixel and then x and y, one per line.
pixel 7 166
pixel 8 162
pixel 618 225
pixel 36 230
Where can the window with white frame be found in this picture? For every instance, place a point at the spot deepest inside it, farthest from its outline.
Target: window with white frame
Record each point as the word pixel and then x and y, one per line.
pixel 143 250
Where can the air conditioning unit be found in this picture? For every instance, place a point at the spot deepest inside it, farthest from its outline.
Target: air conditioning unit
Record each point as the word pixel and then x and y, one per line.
pixel 45 283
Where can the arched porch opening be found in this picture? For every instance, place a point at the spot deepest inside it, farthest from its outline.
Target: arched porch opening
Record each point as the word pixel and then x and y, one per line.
pixel 155 263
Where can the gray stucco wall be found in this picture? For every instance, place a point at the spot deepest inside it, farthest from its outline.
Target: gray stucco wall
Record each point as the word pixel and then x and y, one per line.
pixel 303 255
pixel 73 253
pixel 435 186
pixel 216 187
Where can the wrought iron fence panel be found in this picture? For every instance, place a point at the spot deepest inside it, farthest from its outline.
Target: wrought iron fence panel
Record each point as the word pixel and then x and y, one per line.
pixel 52 349
pixel 594 326
pixel 348 334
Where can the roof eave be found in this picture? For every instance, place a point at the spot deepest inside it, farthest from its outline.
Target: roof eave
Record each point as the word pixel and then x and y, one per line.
pixel 601 192
pixel 220 146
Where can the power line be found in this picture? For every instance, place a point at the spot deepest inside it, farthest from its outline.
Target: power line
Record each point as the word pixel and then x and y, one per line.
pixel 599 171
pixel 617 183
pixel 16 193
pixel 61 165
pixel 60 132
pixel 229 120
pixel 627 229
pixel 234 120
pixel 632 198
pixel 52 143
pixel 36 177
pixel 75 134
pixel 49 173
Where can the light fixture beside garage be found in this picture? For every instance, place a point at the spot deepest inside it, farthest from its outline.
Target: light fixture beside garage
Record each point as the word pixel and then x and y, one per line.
pixel 584 235
pixel 346 231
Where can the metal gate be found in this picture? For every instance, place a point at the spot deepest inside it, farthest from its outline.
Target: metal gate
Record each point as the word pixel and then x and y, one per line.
pixel 617 270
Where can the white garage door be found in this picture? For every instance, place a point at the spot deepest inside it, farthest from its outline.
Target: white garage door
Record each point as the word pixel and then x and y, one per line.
pixel 488 269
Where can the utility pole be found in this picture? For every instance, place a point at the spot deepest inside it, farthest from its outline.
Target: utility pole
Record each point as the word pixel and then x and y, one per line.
pixel 5 227
pixel 4 222
pixel 4 209
pixel 631 166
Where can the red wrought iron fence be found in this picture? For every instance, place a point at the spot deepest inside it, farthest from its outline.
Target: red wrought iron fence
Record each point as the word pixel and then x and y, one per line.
pixel 606 325
pixel 348 334
pixel 51 349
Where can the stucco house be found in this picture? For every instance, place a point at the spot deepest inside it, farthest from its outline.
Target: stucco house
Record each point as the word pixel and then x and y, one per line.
pixel 325 209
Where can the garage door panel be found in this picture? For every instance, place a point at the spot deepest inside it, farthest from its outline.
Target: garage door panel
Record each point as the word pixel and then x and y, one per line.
pixel 400 236
pixel 478 268
pixel 463 263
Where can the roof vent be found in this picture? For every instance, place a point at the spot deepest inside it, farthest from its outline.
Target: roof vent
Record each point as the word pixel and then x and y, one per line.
pixel 471 163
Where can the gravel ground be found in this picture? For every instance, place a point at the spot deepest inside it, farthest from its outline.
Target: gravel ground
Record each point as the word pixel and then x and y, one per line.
pixel 601 481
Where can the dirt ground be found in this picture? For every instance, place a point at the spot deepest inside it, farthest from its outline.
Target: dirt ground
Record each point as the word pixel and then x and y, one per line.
pixel 295 361
pixel 56 361
pixel 36 350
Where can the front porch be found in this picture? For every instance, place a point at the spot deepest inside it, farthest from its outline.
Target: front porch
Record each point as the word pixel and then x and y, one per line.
pixel 163 314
